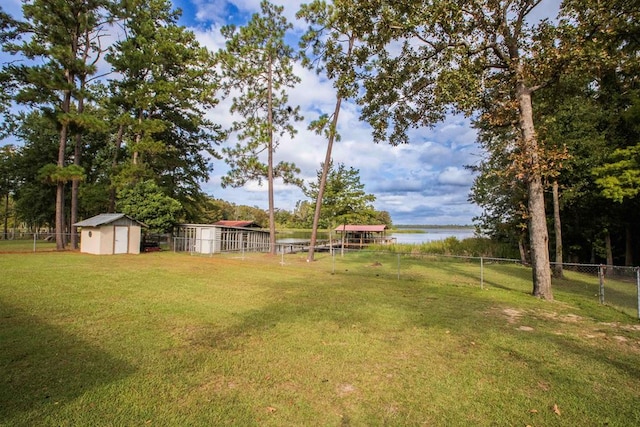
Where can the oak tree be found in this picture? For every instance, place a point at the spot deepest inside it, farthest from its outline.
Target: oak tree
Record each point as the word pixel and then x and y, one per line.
pixel 429 58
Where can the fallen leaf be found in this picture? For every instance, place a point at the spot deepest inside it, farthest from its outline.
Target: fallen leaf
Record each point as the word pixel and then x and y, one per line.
pixel 271 409
pixel 556 410
pixel 533 411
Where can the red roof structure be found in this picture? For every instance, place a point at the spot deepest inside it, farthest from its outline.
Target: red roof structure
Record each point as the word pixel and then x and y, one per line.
pixel 359 236
pixel 361 228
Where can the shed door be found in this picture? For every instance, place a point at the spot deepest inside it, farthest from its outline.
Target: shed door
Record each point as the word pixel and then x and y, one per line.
pixel 121 245
pixel 206 242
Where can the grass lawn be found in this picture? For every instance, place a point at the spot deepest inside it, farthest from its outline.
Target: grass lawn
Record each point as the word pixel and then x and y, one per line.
pixel 170 339
pixel 26 245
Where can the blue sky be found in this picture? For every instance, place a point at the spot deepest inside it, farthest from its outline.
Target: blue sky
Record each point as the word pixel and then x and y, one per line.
pixel 424 182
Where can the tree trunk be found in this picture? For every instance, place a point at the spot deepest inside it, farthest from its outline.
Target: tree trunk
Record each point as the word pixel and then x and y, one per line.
pixel 523 250
pixel 62 148
pixel 628 247
pixel 538 234
pixel 75 183
pixel 136 151
pixel 114 164
pixel 75 188
pixel 325 168
pixel 323 179
pixel 608 247
pixel 6 215
pixel 557 268
pixel 272 216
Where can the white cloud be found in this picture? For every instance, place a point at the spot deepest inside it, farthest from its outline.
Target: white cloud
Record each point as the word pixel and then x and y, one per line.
pixel 453 175
pixel 421 182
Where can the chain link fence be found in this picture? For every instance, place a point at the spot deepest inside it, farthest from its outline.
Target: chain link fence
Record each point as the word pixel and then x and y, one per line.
pixel 17 241
pixel 233 244
pixel 615 286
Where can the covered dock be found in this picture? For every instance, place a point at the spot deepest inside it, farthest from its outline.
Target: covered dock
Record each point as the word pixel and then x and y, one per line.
pixel 359 236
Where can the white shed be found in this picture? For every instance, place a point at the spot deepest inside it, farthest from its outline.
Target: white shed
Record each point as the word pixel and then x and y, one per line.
pixel 108 234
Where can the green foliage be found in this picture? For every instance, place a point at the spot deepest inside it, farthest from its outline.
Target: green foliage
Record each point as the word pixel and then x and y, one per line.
pixel 7 169
pixel 451 246
pixel 147 203
pixel 158 108
pixel 53 174
pixel 620 178
pixel 257 65
pixel 94 198
pixel 344 199
pixel 427 60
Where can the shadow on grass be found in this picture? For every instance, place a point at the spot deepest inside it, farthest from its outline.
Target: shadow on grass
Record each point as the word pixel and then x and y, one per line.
pixel 619 295
pixel 43 366
pixel 346 302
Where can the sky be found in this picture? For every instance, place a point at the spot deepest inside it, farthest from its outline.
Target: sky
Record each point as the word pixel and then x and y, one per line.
pixel 423 182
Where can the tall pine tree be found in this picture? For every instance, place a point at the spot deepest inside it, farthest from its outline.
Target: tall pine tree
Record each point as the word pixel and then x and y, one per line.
pixel 257 69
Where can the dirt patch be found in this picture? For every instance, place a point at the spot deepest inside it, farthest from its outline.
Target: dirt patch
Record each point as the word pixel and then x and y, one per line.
pixel 570 318
pixel 567 318
pixel 343 390
pixel 512 315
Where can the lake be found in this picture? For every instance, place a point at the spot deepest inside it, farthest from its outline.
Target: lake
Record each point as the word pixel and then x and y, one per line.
pixel 425 235
pixel 421 235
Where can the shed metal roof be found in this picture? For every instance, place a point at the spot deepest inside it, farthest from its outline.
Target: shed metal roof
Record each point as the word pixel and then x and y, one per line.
pixel 104 219
pixel 225 225
pixel 362 228
pixel 231 223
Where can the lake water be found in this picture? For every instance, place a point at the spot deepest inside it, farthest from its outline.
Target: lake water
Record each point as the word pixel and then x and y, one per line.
pixel 425 235
pixel 421 235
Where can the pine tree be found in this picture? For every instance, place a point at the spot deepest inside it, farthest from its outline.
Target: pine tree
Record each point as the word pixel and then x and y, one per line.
pixel 257 68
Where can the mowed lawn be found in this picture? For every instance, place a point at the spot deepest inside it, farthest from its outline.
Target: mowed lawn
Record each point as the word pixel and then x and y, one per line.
pixel 170 339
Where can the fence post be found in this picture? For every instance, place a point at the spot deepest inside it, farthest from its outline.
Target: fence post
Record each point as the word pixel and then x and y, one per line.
pixel 398 266
pixel 638 288
pixel 481 273
pixel 35 235
pixel 333 258
pixel 601 277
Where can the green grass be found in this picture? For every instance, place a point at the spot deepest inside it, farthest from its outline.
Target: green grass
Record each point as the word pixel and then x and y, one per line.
pixel 26 245
pixel 171 339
